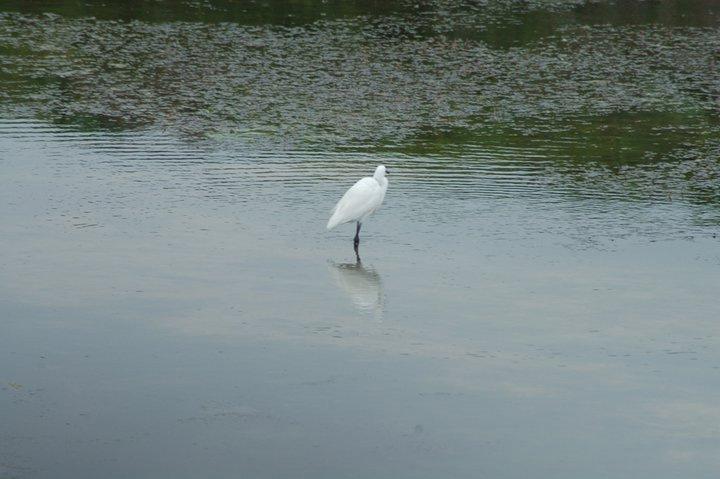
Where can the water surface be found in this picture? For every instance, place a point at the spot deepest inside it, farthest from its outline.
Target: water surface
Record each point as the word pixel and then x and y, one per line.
pixel 536 298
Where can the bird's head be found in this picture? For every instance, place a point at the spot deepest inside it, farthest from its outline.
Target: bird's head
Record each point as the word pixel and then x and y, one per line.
pixel 380 172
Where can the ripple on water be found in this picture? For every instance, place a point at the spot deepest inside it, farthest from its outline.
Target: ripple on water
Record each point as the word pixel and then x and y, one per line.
pixel 588 110
pixel 585 198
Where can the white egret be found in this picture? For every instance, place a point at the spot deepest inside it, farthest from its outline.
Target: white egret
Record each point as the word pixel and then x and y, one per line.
pixel 360 201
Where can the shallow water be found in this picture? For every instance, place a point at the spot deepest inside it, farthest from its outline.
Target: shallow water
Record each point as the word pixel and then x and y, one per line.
pixel 536 298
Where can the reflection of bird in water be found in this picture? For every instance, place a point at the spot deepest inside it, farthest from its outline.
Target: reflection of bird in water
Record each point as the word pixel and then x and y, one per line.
pixel 362 284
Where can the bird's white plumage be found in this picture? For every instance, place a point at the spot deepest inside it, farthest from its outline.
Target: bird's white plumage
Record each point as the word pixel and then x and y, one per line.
pixel 361 200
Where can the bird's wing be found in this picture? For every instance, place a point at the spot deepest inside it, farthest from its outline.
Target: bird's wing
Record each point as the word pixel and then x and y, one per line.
pixel 360 199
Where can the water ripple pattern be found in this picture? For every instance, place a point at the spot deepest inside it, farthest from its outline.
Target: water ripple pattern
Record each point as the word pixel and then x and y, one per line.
pixel 541 187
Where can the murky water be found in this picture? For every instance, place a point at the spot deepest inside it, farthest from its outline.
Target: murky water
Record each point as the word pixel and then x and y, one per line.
pixel 537 297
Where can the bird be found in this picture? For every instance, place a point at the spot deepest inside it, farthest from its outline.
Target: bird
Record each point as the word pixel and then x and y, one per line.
pixel 360 201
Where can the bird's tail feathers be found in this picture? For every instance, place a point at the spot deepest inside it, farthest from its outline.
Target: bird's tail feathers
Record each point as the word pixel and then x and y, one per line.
pixel 334 217
pixel 332 222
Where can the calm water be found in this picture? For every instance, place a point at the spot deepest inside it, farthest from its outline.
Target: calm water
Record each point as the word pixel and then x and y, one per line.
pixel 536 298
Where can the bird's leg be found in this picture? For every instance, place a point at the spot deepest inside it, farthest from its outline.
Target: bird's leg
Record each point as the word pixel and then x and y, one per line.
pixel 357 256
pixel 357 235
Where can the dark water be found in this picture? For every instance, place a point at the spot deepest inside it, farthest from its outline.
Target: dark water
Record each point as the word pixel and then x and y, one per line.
pixel 537 296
